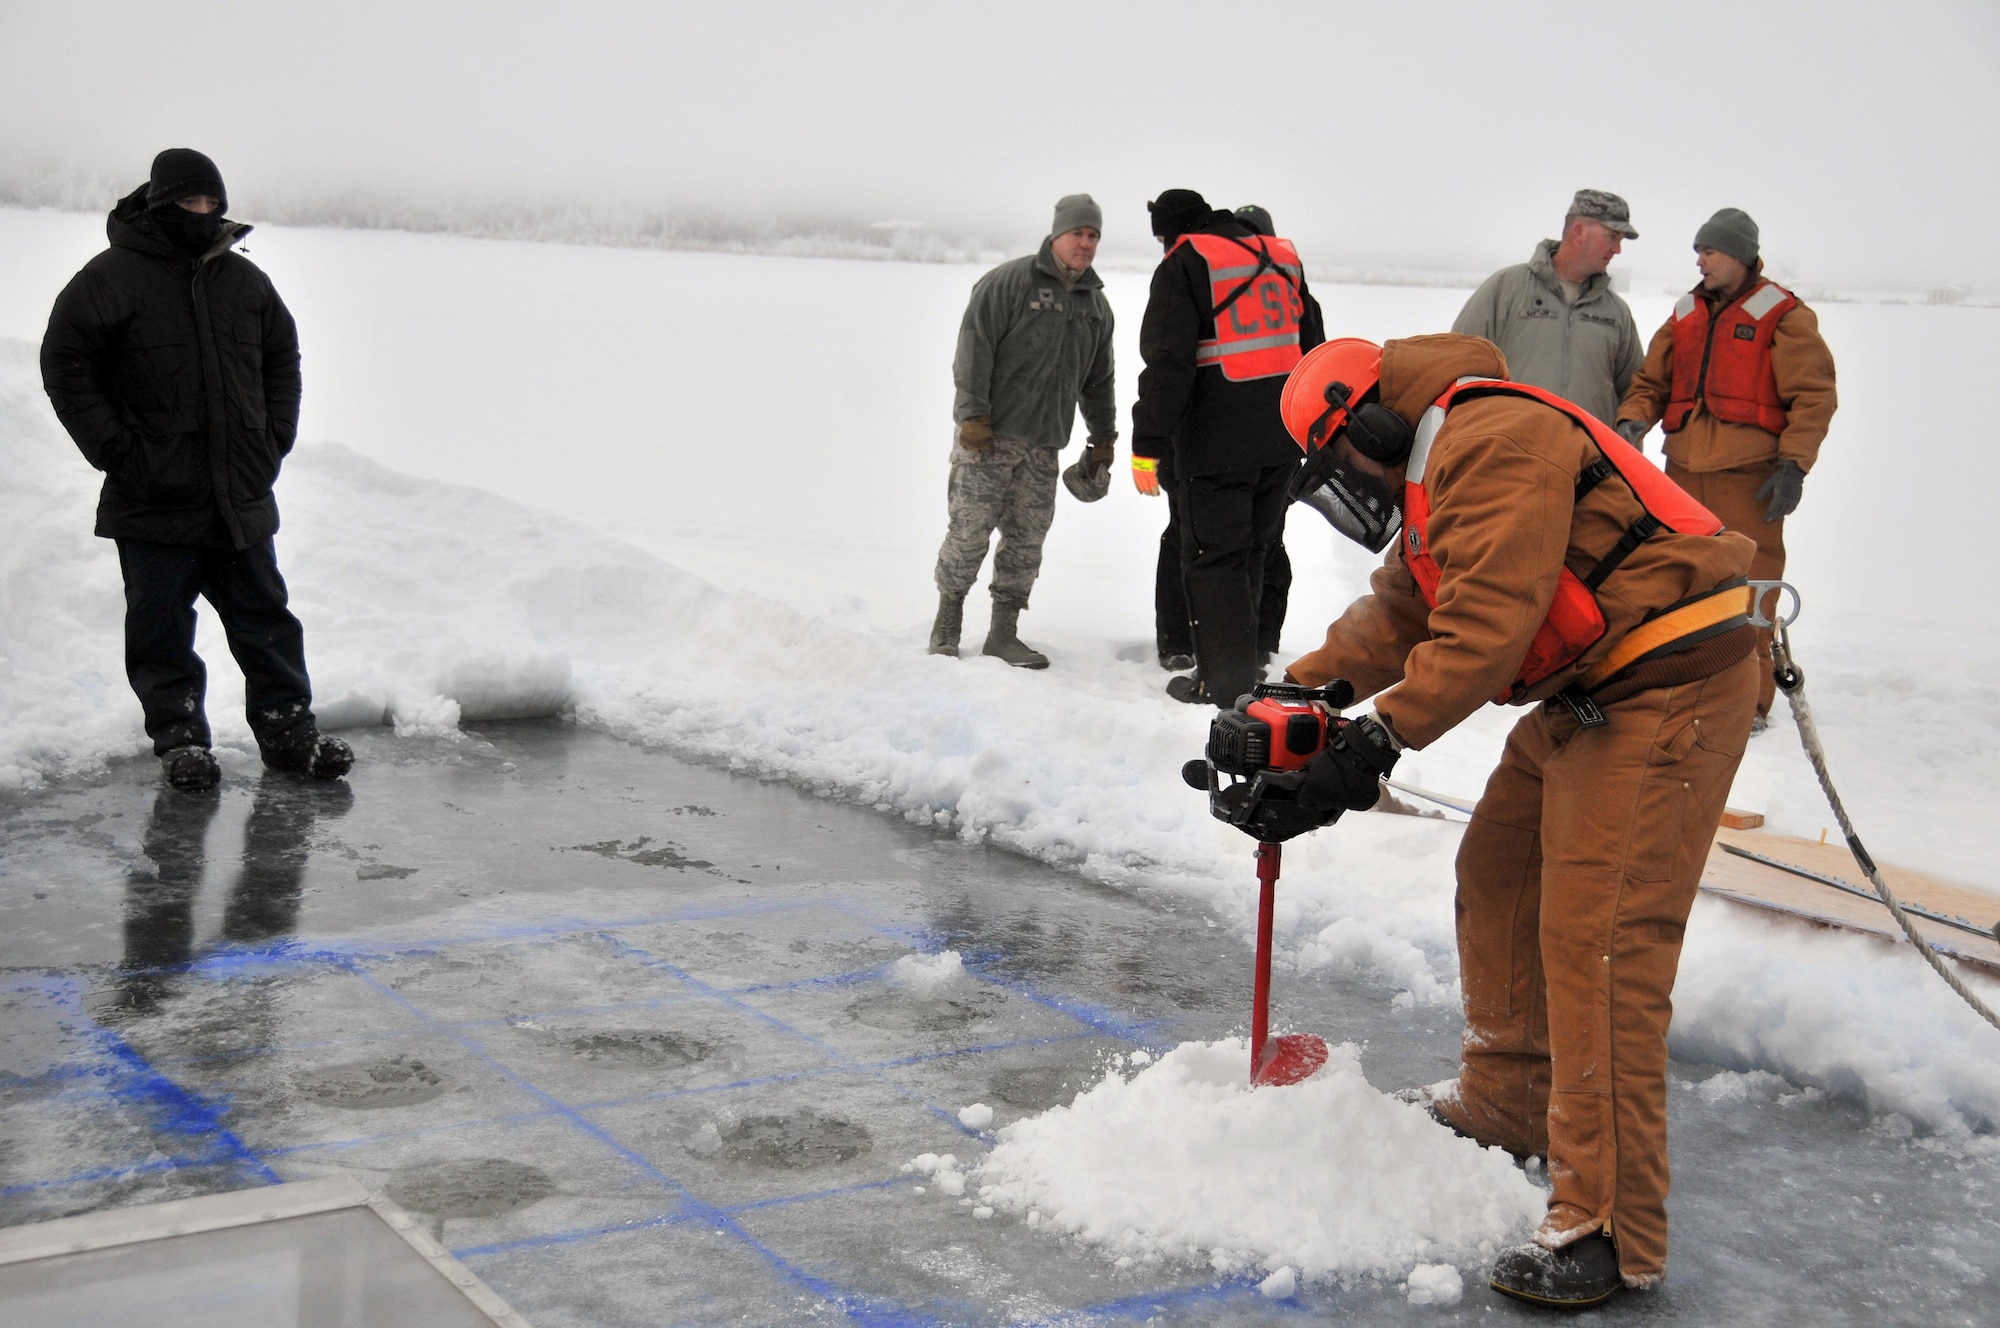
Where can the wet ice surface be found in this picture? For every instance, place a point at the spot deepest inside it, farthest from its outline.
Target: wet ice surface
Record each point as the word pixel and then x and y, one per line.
pixel 645 1043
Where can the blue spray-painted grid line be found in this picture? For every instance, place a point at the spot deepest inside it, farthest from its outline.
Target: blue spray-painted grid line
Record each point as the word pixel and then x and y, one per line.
pixel 862 1309
pixel 174 1109
pixel 865 1310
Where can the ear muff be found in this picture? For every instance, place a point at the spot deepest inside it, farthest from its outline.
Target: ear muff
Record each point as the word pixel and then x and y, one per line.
pixel 1380 434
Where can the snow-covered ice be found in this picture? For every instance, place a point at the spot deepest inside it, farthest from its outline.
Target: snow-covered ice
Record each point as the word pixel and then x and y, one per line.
pixel 528 488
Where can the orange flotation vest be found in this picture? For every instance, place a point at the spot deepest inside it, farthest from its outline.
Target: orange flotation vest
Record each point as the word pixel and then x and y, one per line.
pixel 1575 623
pixel 1254 284
pixel 1724 361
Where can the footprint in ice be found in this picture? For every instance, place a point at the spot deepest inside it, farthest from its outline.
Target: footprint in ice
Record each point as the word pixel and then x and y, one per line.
pixel 641 1048
pixel 798 1142
pixel 365 1085
pixel 473 1187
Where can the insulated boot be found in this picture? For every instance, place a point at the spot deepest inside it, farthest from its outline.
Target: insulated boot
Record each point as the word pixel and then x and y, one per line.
pixel 950 622
pixel 191 768
pixel 311 753
pixel 1580 1274
pixel 1178 662
pixel 1002 643
pixel 1189 688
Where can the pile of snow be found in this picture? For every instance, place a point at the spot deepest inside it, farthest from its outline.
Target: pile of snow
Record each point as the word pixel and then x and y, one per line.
pixel 926 976
pixel 1325 1180
pixel 815 497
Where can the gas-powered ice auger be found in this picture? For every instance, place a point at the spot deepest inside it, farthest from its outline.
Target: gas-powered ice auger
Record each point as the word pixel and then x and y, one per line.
pixel 1263 746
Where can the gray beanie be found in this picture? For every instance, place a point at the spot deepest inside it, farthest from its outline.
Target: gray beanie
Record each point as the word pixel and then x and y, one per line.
pixel 1731 232
pixel 1074 210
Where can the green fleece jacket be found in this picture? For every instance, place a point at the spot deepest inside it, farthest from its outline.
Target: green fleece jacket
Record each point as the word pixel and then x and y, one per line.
pixel 1032 348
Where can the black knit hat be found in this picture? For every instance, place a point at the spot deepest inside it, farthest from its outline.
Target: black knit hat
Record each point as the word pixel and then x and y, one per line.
pixel 1256 218
pixel 1175 210
pixel 182 173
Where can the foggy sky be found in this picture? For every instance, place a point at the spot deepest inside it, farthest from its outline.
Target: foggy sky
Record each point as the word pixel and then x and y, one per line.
pixel 1862 137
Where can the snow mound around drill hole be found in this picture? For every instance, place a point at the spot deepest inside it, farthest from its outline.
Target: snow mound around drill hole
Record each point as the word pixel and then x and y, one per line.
pixel 1184 1161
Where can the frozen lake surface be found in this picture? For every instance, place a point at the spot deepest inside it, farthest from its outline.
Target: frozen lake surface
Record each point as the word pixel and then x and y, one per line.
pixel 640 1039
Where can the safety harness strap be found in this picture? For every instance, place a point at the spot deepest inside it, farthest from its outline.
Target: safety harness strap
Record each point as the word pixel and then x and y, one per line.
pixel 1680 628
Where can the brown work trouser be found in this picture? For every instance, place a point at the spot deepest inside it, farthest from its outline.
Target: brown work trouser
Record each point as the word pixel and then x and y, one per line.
pixel 1732 495
pixel 1574 884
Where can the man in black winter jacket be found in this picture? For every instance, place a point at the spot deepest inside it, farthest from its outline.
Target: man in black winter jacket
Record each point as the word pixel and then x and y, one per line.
pixel 1207 419
pixel 175 367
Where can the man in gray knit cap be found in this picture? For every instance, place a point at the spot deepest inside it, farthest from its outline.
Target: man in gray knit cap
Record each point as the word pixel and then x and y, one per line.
pixel 1556 318
pixel 1034 345
pixel 1743 384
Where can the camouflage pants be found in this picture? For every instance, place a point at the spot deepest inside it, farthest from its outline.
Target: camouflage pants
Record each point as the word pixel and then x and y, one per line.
pixel 1009 487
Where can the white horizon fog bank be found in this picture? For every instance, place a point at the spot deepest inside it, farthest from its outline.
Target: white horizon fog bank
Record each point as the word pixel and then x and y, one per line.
pixel 1427 136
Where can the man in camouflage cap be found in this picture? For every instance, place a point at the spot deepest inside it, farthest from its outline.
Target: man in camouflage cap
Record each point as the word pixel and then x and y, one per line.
pixel 1035 344
pixel 1556 318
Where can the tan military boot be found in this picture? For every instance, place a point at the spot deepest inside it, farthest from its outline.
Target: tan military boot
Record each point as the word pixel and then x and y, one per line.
pixel 950 622
pixel 1002 643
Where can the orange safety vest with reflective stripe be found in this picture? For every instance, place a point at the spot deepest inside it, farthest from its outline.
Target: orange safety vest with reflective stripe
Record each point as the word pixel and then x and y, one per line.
pixel 1254 290
pixel 1724 362
pixel 1575 623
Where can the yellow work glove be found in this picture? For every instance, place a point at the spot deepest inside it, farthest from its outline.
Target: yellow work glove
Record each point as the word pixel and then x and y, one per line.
pixel 1146 476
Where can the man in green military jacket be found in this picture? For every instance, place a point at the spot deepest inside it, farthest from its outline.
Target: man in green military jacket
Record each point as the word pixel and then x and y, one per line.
pixel 1034 345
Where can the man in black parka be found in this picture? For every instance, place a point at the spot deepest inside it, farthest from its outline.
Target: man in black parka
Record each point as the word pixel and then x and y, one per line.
pixel 1219 441
pixel 175 367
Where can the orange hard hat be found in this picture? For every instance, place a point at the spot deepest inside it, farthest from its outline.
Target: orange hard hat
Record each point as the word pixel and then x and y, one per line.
pixel 1332 378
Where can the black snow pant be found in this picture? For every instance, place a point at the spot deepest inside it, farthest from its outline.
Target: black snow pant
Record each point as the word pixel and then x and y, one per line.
pixel 162 582
pixel 1171 632
pixel 1229 523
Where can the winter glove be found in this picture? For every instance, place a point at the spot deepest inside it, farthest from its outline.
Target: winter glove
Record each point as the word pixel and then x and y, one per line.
pixel 1786 484
pixel 1269 811
pixel 1146 476
pixel 975 434
pixel 1634 432
pixel 1347 775
pixel 1097 454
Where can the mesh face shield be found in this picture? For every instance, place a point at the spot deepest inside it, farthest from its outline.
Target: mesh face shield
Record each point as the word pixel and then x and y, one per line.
pixel 1357 505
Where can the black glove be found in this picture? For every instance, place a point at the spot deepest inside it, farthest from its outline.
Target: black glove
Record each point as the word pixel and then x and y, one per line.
pixel 1097 455
pixel 1786 484
pixel 1347 775
pixel 1268 810
pixel 1634 432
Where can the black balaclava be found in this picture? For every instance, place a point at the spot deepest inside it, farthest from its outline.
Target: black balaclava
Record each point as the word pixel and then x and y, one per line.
pixel 183 173
pixel 193 233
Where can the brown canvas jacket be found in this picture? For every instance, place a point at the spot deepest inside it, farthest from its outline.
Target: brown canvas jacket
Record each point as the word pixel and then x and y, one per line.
pixel 1504 523
pixel 1803 366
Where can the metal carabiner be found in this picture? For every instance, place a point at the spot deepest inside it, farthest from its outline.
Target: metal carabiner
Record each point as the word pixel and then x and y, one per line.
pixel 1760 589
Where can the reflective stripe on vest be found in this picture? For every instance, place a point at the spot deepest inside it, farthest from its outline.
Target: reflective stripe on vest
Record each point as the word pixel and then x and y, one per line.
pixel 1574 623
pixel 1725 363
pixel 1253 289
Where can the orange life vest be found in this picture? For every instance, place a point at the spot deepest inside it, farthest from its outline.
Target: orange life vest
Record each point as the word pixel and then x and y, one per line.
pixel 1575 623
pixel 1254 291
pixel 1724 362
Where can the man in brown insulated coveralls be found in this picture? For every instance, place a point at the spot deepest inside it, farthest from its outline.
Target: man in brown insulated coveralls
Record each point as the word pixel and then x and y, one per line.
pixel 1744 383
pixel 1580 865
